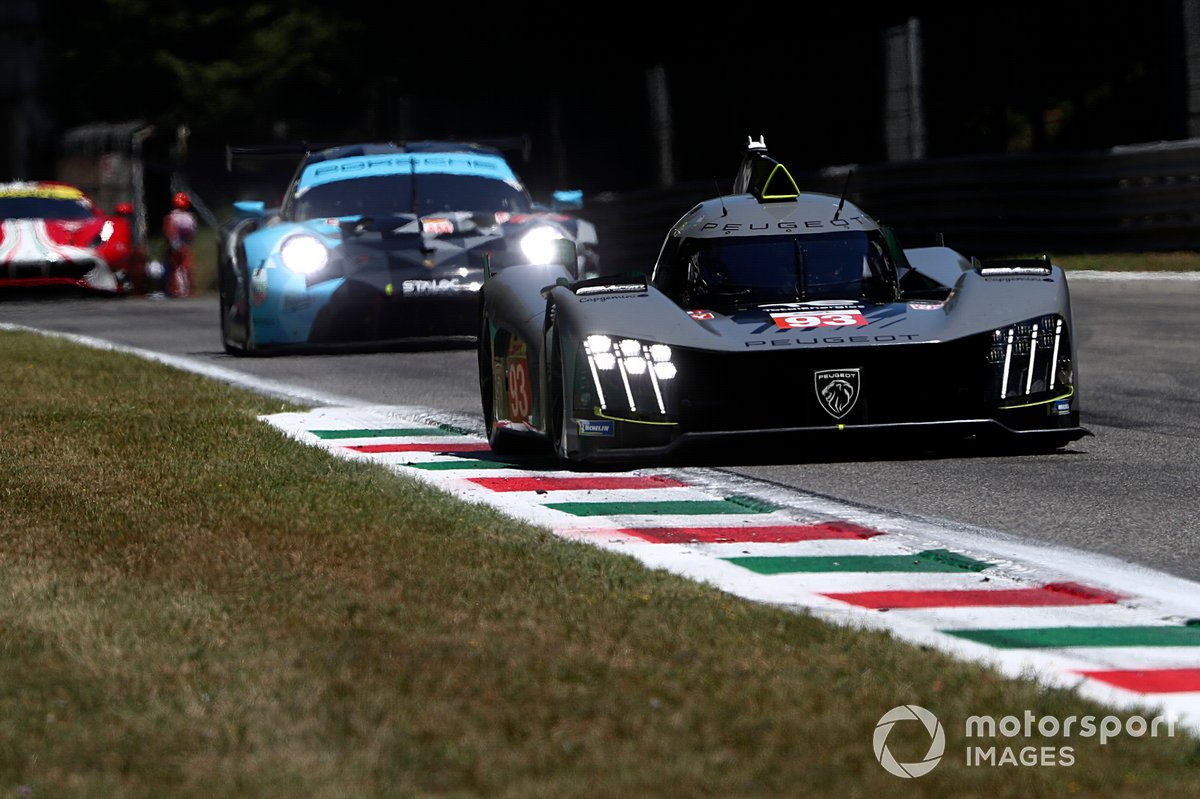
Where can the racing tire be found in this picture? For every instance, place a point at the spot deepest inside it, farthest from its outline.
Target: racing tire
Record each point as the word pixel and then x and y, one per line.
pixel 226 287
pixel 226 335
pixel 556 407
pixel 231 347
pixel 501 442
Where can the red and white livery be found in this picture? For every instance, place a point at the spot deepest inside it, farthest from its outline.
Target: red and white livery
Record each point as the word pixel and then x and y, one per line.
pixel 52 234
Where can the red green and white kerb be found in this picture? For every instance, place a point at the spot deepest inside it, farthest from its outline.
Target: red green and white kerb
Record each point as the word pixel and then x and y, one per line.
pixel 1127 636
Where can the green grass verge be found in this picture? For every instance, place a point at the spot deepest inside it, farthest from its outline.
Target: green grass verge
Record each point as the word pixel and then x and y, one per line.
pixel 193 605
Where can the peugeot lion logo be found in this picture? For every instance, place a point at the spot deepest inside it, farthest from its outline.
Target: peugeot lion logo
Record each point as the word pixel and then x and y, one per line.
pixel 837 390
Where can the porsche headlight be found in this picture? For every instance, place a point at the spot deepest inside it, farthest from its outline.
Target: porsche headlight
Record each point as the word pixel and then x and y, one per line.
pixel 304 254
pixel 1031 360
pixel 538 245
pixel 628 375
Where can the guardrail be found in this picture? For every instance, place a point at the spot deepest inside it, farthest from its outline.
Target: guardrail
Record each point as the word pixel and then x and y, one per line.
pixel 1136 198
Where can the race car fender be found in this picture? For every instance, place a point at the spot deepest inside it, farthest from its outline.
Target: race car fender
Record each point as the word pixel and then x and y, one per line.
pixel 978 302
pixel 644 313
pixel 513 311
pixel 942 264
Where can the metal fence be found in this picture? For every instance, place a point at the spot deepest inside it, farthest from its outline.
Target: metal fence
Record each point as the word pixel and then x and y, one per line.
pixel 105 161
pixel 1137 198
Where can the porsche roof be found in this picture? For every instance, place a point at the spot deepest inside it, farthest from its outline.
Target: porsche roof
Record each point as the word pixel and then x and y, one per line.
pixel 478 163
pixel 382 148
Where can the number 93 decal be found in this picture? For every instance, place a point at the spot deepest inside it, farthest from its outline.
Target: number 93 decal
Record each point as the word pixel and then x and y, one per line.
pixel 516 378
pixel 810 319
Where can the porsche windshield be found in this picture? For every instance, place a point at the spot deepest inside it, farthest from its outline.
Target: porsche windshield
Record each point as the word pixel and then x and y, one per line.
pixel 756 270
pixel 394 194
pixel 44 208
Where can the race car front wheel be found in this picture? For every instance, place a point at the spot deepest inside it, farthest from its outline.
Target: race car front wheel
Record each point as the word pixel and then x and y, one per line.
pixel 231 347
pixel 556 420
pixel 502 443
pixel 486 386
pixel 228 288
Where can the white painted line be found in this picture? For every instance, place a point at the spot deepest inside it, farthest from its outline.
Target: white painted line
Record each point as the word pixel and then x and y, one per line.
pixel 996 618
pixel 1114 277
pixel 270 388
pixel 1128 658
pixel 822 548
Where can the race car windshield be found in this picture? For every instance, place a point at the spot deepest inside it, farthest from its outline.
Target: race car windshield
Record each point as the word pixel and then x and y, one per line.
pixel 389 195
pixel 756 270
pixel 44 208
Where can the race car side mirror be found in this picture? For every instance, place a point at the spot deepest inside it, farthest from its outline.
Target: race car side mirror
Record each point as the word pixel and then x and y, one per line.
pixel 124 209
pixel 567 200
pixel 250 209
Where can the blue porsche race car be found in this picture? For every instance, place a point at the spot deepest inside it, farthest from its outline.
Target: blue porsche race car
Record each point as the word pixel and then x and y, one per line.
pixel 380 243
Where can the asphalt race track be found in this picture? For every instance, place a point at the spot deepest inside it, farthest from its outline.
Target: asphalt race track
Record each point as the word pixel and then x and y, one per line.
pixel 1132 491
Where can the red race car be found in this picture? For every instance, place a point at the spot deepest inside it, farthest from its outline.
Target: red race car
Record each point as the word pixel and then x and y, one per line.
pixel 52 234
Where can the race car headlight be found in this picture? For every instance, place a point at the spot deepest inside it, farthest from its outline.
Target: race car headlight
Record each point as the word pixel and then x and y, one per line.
pixel 304 254
pixel 629 376
pixel 106 233
pixel 1031 360
pixel 539 245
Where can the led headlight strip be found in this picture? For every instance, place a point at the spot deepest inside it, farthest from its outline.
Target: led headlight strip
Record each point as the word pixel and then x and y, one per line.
pixel 1032 355
pixel 634 361
pixel 1035 373
pixel 1058 326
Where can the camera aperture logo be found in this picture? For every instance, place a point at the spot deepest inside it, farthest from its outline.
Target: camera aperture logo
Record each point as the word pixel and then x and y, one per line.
pixel 1022 731
pixel 933 727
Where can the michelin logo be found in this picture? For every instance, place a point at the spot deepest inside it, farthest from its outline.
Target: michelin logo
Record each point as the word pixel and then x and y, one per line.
pixel 597 427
